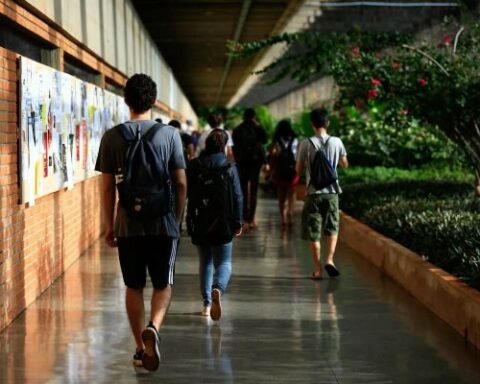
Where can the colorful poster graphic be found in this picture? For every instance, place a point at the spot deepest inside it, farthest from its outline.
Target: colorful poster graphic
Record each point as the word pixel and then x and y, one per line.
pixel 62 121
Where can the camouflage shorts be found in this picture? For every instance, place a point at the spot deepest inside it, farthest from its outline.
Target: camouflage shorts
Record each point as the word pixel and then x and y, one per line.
pixel 320 214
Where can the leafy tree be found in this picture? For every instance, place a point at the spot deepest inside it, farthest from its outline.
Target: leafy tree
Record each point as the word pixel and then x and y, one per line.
pixel 436 83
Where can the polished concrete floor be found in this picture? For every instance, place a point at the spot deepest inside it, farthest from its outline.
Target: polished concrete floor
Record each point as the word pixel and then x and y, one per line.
pixel 278 326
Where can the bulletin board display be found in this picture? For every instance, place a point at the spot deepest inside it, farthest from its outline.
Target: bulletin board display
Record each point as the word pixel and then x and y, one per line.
pixel 62 120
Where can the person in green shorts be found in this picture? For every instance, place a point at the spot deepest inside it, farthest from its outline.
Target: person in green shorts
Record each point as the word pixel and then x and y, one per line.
pixel 320 214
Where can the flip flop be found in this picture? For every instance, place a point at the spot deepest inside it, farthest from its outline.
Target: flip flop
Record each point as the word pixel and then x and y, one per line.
pixel 313 276
pixel 331 270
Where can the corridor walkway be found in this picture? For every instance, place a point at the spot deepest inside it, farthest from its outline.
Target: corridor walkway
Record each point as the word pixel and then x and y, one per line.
pixel 278 326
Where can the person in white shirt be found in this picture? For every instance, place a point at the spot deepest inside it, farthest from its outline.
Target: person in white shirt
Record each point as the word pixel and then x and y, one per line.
pixel 214 122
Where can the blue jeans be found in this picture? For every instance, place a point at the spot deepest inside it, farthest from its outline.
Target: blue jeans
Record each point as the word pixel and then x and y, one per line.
pixel 220 257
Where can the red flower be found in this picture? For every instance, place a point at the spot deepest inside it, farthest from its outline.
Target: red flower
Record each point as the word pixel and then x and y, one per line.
pixel 447 40
pixel 396 65
pixel 372 94
pixel 375 82
pixel 359 103
pixel 423 83
pixel 355 51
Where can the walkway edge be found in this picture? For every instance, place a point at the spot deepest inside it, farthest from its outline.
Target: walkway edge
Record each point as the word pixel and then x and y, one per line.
pixel 450 299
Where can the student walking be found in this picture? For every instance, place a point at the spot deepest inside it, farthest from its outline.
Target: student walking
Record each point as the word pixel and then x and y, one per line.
pixel 214 217
pixel 143 160
pixel 248 140
pixel 282 157
pixel 187 142
pixel 214 122
pixel 320 211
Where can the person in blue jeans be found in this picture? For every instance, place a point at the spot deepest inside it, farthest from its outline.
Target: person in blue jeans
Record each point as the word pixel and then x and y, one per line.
pixel 212 230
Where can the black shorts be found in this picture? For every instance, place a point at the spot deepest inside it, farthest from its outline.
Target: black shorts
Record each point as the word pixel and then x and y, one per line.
pixel 155 253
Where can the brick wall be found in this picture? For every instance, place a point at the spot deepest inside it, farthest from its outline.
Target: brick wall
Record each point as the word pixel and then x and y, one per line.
pixel 38 243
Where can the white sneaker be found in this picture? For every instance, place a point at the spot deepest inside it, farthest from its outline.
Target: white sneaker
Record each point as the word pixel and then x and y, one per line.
pixel 206 311
pixel 151 355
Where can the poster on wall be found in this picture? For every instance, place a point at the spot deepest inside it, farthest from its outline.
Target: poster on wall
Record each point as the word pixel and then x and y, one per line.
pixel 62 121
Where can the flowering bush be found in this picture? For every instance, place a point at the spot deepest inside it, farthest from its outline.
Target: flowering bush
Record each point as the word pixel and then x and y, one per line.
pixel 436 83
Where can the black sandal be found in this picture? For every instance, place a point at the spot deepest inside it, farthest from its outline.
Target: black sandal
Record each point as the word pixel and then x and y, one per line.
pixel 331 270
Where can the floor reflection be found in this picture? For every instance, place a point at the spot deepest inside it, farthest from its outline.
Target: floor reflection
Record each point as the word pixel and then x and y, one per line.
pixel 277 326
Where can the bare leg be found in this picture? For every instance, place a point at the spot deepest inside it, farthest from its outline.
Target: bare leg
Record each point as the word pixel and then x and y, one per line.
pixel 282 194
pixel 290 204
pixel 160 303
pixel 331 244
pixel 315 251
pixel 136 314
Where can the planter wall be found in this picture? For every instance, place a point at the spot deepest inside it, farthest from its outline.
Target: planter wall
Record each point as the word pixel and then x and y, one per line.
pixel 449 298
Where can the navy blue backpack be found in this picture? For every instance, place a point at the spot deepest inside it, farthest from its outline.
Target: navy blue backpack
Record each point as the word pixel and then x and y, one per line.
pixel 146 189
pixel 322 171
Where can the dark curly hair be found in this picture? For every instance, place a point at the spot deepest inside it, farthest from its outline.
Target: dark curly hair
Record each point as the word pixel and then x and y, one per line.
pixel 175 124
pixel 214 120
pixel 140 93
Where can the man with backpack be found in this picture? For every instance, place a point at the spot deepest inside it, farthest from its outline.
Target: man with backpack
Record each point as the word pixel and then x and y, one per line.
pixel 214 217
pixel 144 161
pixel 320 155
pixel 248 140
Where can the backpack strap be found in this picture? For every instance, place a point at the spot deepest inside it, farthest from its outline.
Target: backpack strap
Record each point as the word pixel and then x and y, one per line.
pixel 152 131
pixel 130 136
pixel 126 133
pixel 315 144
pixel 290 143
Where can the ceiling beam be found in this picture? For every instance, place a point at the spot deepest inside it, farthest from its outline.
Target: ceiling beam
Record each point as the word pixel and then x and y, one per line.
pixel 238 32
pixel 284 24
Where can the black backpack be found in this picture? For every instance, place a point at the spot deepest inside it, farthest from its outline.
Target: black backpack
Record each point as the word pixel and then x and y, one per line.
pixel 322 172
pixel 285 162
pixel 250 149
pixel 146 190
pixel 210 219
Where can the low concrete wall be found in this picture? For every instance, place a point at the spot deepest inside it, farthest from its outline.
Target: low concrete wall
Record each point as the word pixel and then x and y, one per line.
pixel 449 298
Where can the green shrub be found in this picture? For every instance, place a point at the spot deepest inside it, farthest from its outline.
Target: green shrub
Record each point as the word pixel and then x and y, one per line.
pixel 437 219
pixel 374 174
pixel 379 136
pixel 359 198
pixel 446 232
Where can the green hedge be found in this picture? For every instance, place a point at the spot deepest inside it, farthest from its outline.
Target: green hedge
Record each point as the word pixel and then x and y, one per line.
pixel 437 219
pixel 359 198
pixel 372 174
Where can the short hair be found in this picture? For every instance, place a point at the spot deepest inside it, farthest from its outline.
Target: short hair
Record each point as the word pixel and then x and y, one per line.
pixel 249 114
pixel 175 124
pixel 319 118
pixel 159 120
pixel 215 120
pixel 140 93
pixel 216 141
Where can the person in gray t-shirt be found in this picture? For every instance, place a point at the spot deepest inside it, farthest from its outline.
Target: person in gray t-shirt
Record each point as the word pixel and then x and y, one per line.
pixel 320 213
pixel 143 244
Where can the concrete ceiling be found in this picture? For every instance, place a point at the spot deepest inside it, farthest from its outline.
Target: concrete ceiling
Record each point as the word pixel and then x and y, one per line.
pixel 192 35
